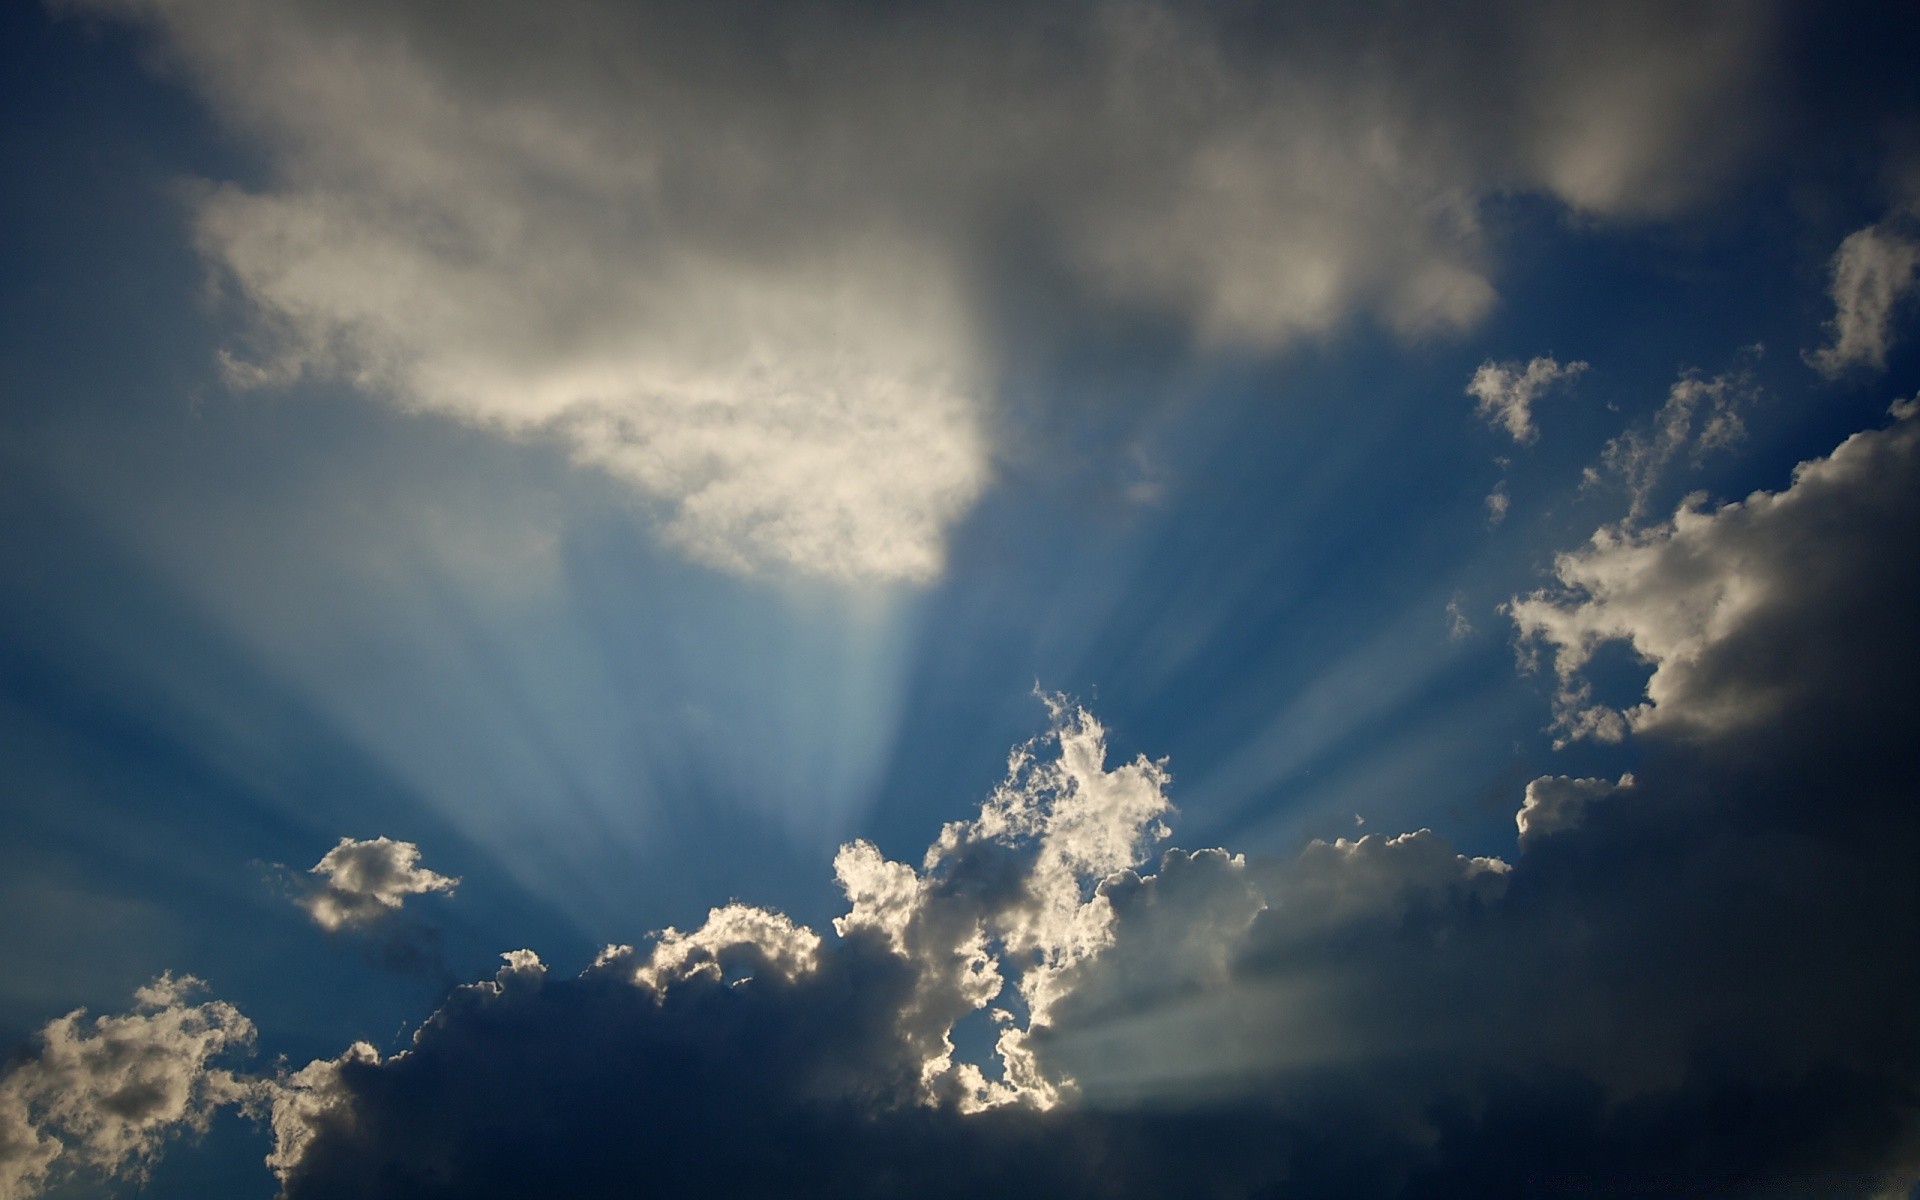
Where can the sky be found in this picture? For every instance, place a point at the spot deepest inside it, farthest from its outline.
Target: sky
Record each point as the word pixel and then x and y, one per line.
pixel 1094 598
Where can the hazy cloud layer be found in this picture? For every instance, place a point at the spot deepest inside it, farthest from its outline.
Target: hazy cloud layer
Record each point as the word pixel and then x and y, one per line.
pixel 363 883
pixel 1739 610
pixel 102 1097
pixel 1506 393
pixel 742 259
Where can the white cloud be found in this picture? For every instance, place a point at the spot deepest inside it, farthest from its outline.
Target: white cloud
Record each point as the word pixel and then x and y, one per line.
pixel 367 881
pixel 1556 803
pixel 1873 270
pixel 1734 608
pixel 752 275
pixel 1506 393
pixel 766 940
pixel 105 1095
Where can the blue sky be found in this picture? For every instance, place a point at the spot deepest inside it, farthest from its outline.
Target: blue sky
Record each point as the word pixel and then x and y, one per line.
pixel 628 454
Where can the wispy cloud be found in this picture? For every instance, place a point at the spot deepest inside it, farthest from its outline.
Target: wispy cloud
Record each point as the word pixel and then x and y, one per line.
pixel 1701 414
pixel 1873 272
pixel 1506 392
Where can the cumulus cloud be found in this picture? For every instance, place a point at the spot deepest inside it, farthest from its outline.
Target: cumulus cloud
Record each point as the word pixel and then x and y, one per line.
pixel 1873 271
pixel 1737 609
pixel 365 882
pixel 1506 392
pixel 102 1097
pixel 1556 803
pixel 746 261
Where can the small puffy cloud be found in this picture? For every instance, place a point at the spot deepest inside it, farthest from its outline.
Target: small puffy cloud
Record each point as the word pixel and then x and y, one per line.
pixel 104 1096
pixel 366 882
pixel 1873 271
pixel 1555 803
pixel 1743 611
pixel 1506 392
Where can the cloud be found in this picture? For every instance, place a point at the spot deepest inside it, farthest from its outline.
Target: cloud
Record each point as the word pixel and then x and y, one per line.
pixel 1873 271
pixel 1689 980
pixel 1701 414
pixel 1498 501
pixel 750 263
pixel 1459 627
pixel 366 882
pixel 1506 392
pixel 104 1096
pixel 1556 803
pixel 1738 610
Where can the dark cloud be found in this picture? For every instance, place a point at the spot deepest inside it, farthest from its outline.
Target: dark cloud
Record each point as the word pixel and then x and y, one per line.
pixel 1696 983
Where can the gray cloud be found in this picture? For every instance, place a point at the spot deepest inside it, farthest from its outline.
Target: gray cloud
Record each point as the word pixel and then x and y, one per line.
pixel 1686 981
pixel 365 882
pixel 1701 414
pixel 102 1097
pixel 1735 608
pixel 739 259
pixel 1873 271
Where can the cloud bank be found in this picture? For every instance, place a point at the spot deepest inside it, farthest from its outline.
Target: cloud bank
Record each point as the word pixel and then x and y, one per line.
pixel 1692 981
pixel 747 260
pixel 1688 981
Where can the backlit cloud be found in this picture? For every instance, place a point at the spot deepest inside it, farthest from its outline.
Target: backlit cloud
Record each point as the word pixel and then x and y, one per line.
pixel 101 1097
pixel 1736 609
pixel 365 882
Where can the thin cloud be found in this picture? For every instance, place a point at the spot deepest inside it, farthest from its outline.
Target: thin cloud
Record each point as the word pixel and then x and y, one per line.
pixel 1506 392
pixel 1873 272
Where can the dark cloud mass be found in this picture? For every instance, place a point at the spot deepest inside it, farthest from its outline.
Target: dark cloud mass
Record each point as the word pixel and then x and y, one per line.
pixel 1696 982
